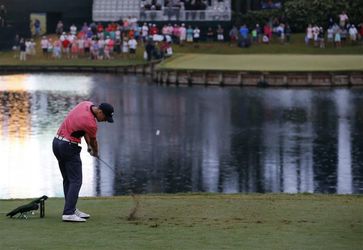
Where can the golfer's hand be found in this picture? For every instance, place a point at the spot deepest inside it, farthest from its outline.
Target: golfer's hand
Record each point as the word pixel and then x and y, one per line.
pixel 90 151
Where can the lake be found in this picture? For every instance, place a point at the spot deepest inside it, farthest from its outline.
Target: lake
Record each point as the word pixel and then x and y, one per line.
pixel 168 139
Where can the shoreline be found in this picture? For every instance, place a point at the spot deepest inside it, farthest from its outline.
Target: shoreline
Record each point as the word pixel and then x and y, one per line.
pixel 208 77
pixel 227 70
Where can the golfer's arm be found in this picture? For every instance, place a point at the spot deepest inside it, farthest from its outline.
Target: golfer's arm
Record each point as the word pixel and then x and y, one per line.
pixel 92 143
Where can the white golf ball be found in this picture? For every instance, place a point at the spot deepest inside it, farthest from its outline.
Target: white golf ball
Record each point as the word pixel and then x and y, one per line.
pixel 157 132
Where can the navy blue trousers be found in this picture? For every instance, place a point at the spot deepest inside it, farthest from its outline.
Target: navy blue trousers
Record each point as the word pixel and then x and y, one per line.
pixel 70 165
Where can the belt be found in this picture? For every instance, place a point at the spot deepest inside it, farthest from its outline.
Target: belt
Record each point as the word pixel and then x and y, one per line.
pixel 65 139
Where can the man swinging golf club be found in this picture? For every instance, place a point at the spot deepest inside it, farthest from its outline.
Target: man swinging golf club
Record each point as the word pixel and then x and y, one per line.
pixel 80 121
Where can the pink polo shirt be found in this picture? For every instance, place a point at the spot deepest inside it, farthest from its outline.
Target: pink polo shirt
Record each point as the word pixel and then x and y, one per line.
pixel 79 121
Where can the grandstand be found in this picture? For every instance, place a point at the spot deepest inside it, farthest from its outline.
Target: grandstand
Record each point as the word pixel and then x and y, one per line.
pixel 162 10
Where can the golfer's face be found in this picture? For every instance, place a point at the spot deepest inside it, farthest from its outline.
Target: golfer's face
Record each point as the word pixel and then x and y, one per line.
pixel 101 117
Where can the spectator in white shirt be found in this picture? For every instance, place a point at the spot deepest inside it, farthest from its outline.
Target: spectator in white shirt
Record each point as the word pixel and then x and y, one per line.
pixel 44 45
pixel 73 30
pixel 132 45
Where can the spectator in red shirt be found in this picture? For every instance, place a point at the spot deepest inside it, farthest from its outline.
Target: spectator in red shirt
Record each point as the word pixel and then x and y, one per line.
pixel 361 32
pixel 66 45
pixel 99 28
pixel 154 30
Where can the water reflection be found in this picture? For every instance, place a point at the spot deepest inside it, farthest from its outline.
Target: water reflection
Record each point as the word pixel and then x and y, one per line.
pixel 211 139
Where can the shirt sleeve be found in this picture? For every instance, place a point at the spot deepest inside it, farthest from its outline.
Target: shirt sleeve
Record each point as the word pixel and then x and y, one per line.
pixel 91 131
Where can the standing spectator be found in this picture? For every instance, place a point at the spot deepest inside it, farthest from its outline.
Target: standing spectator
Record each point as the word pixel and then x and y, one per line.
pixel 233 35
pixel 57 50
pixel 343 35
pixel 321 37
pixel 89 33
pixel 309 34
pixel 80 43
pixel 144 32
pixel 244 32
pixel 32 45
pixel 99 28
pixel 74 49
pixel 190 34
pixel 87 46
pixel 44 45
pixel 117 46
pixel 183 33
pixel 337 39
pixel 281 32
pixel 101 49
pixel 254 35
pixel 22 49
pixel 267 31
pixel 132 44
pixel 107 51
pixel 125 46
pixel 73 30
pixel 163 48
pixel 210 34
pixel 37 27
pixel 84 28
pixel 316 35
pixel 259 33
pixel 353 32
pixel 27 47
pixel 65 46
pixel 149 49
pixel 154 30
pixel 50 47
pixel 220 34
pixel 330 36
pixel 343 19
pixel 196 35
pixel 59 28
pixel 176 34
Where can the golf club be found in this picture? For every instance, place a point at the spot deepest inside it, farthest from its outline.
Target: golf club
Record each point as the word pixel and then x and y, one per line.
pixel 106 164
pixel 132 216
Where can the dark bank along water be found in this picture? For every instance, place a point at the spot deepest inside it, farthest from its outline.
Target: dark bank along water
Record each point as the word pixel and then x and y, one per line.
pixel 183 139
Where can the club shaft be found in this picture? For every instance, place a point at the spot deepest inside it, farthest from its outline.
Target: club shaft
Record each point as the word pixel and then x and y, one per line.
pixel 106 164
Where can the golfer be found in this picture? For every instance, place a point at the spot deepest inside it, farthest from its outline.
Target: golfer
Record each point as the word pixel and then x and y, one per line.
pixel 80 122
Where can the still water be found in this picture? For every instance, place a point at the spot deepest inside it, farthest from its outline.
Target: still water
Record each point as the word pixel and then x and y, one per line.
pixel 183 139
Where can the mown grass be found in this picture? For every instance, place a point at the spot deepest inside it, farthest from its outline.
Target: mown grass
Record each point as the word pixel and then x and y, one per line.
pixel 193 221
pixel 266 62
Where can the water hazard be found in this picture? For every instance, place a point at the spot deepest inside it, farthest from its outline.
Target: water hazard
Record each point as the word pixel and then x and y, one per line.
pixel 183 139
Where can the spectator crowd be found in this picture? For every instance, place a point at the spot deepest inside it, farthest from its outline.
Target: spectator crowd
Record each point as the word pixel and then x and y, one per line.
pixel 102 42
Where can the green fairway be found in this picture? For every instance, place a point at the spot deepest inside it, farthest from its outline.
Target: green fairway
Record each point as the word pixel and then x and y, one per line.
pixel 267 62
pixel 11 58
pixel 193 222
